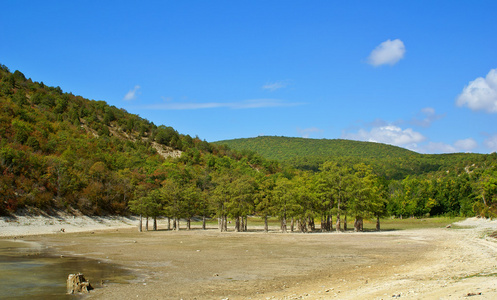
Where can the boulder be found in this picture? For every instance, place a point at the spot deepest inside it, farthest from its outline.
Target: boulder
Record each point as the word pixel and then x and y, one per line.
pixel 76 283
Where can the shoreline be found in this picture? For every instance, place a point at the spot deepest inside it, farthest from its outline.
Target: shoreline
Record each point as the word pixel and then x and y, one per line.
pixel 23 226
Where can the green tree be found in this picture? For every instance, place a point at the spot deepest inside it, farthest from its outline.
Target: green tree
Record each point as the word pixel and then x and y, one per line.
pixel 241 200
pixel 306 204
pixel 335 187
pixel 264 198
pixel 486 193
pixel 284 201
pixel 366 198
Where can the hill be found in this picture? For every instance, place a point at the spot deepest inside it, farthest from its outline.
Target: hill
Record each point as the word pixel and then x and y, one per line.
pixel 62 151
pixel 287 148
pixel 389 161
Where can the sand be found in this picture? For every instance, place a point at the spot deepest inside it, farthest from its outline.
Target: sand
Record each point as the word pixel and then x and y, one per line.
pixel 449 263
pixel 35 225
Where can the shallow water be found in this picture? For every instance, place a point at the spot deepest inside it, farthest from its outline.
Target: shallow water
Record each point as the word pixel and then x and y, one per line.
pixel 28 270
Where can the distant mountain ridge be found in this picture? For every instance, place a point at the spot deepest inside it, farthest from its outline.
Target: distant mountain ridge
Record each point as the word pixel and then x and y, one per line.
pixel 389 161
pixel 285 148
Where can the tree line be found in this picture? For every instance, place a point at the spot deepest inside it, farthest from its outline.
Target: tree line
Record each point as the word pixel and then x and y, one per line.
pixel 229 189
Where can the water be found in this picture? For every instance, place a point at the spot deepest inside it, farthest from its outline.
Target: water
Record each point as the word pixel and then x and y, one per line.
pixel 27 270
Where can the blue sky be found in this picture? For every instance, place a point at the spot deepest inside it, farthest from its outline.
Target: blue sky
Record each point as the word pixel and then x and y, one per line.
pixel 417 74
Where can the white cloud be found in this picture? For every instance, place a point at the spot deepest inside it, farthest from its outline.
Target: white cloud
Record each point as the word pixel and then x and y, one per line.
pixel 387 53
pixel 131 95
pixel 408 138
pixel 491 143
pixel 481 93
pixel 275 86
pixel 389 134
pixel 466 145
pixel 439 148
pixel 428 111
pixel 255 103
pixel 428 116
pixel 308 131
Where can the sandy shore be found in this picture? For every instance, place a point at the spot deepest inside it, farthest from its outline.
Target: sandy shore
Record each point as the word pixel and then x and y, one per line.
pixel 449 263
pixel 35 225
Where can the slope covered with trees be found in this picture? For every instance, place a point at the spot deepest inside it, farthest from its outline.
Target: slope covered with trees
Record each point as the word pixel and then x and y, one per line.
pixel 389 161
pixel 61 151
pixel 286 148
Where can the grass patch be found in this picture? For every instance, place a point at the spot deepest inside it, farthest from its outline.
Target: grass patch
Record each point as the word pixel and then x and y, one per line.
pixel 412 223
pixel 478 275
pixel 369 225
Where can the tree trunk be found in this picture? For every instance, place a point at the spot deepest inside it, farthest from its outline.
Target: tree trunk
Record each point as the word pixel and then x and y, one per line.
pixel 146 224
pixel 203 222
pixel 338 225
pixel 188 224
pixel 155 223
pixel 302 226
pixel 174 224
pixel 177 224
pixel 283 225
pixel 358 224
pixel 245 228
pixel 377 223
pixel 345 222
pixel 223 226
pixel 237 224
pixel 168 223
pixel 266 227
pixel 140 225
pixel 292 224
pixel 330 221
pixel 312 224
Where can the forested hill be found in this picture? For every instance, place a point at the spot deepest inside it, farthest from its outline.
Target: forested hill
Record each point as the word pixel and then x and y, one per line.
pixel 389 161
pixel 286 148
pixel 61 151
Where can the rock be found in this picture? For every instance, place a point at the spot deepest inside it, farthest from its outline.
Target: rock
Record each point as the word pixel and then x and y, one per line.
pixel 448 226
pixel 76 283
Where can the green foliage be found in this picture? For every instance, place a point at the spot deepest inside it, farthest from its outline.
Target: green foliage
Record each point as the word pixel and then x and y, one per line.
pixel 388 161
pixel 58 150
pixel 448 184
pixel 285 148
